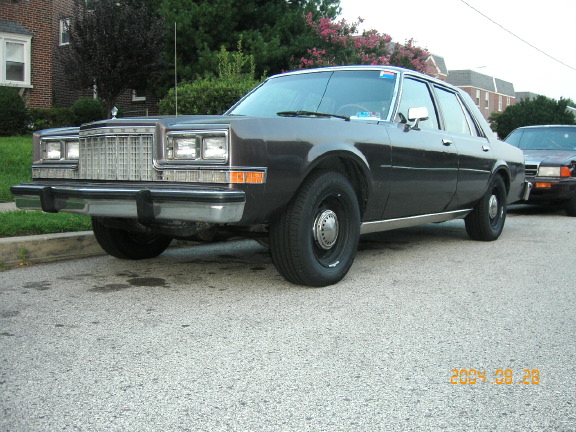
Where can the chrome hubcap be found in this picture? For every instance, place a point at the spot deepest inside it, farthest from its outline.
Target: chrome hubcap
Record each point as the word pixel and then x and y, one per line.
pixel 326 229
pixel 493 207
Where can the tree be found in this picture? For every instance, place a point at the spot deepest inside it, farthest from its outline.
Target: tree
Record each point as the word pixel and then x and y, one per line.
pixel 273 31
pixel 539 111
pixel 338 43
pixel 210 95
pixel 114 45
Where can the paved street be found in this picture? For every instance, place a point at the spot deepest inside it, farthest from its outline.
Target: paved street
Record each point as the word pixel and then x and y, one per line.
pixel 210 338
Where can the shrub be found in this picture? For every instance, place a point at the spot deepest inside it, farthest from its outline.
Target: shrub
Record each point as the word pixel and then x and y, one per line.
pixel 215 95
pixel 13 113
pixel 205 96
pixel 44 118
pixel 87 110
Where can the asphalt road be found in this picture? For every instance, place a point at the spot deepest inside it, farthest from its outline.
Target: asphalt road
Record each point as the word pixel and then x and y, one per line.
pixel 210 338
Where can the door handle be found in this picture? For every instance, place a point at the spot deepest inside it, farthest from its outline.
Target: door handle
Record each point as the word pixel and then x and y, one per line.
pixel 446 142
pixel 485 148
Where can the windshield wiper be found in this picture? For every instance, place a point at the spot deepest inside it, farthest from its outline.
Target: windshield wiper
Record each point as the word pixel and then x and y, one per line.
pixel 310 114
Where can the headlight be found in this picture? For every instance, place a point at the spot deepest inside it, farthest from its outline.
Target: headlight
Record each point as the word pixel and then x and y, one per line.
pixel 549 171
pixel 198 146
pixel 182 148
pixel 53 150
pixel 72 150
pixel 214 148
pixel 59 149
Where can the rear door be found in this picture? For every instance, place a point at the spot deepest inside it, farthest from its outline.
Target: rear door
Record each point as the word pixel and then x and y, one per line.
pixel 475 159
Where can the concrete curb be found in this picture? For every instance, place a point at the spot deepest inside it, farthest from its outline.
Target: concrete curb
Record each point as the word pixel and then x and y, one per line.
pixel 48 247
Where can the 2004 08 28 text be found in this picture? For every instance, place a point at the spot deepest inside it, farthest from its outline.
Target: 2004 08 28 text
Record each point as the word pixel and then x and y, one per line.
pixel 501 376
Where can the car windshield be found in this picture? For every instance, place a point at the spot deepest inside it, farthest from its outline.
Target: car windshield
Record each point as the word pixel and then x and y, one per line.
pixel 550 138
pixel 356 94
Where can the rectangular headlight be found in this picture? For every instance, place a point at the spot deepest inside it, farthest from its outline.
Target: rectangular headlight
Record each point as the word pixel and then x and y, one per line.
pixel 60 149
pixel 72 150
pixel 215 148
pixel 197 146
pixel 53 150
pixel 183 148
pixel 549 171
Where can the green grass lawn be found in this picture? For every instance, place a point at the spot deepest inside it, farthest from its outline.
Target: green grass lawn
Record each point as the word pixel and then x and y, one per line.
pixel 15 167
pixel 21 222
pixel 15 164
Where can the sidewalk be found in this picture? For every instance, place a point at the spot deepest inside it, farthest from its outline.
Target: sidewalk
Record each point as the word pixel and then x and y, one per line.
pixel 9 206
pixel 46 247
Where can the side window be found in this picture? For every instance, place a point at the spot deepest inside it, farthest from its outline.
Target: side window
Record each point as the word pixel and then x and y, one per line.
pixel 416 94
pixel 455 119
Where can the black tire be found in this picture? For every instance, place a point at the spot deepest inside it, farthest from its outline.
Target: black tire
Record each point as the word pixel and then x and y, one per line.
pixel 570 206
pixel 314 241
pixel 486 221
pixel 129 245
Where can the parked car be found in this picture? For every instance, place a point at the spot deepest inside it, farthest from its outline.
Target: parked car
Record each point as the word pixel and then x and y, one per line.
pixel 550 156
pixel 307 162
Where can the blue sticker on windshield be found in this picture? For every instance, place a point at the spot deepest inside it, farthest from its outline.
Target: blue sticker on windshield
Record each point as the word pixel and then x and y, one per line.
pixel 367 114
pixel 387 74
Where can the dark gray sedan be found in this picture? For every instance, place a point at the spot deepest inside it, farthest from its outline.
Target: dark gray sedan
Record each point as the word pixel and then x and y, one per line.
pixel 306 162
pixel 550 153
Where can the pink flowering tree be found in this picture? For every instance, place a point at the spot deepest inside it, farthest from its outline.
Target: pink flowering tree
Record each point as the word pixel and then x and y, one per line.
pixel 338 43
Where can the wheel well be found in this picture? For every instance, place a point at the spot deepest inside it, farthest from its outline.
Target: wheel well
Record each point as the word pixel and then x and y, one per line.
pixel 352 170
pixel 505 176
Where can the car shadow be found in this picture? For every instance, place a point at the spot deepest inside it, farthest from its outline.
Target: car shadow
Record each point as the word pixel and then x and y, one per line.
pixel 536 210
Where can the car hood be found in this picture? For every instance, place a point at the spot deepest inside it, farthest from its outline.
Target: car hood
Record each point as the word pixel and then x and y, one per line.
pixel 549 157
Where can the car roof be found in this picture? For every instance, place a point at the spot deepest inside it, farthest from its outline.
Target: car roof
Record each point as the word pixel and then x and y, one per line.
pixel 545 126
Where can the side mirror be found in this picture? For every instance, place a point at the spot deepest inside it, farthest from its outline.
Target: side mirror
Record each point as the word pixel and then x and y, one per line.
pixel 417 115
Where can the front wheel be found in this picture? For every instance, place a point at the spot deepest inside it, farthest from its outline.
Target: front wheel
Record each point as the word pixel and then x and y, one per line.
pixel 129 245
pixel 486 221
pixel 314 241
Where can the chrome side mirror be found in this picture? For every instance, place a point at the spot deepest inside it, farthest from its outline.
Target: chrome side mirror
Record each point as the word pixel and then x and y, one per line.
pixel 417 115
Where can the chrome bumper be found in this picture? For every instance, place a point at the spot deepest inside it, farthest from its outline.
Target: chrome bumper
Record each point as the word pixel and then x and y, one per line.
pixel 526 190
pixel 147 203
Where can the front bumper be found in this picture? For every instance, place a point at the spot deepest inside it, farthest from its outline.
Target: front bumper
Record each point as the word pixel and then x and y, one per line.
pixel 148 203
pixel 552 189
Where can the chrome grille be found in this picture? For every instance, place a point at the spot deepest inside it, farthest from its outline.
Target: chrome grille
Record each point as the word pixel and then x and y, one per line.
pixel 116 155
pixel 531 170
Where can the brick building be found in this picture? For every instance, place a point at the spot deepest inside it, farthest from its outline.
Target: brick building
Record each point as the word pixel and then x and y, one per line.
pixel 27 33
pixel 490 94
pixel 32 32
pixel 437 67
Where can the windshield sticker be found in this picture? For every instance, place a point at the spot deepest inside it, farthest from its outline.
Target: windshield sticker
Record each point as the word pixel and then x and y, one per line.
pixel 366 115
pixel 387 74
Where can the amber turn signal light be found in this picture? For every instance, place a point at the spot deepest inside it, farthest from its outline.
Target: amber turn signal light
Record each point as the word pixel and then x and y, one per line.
pixel 246 177
pixel 543 185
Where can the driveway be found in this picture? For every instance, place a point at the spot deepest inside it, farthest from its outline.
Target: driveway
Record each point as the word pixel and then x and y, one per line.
pixel 211 338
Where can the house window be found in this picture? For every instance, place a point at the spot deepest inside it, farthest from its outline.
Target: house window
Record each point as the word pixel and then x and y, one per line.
pixel 499 102
pixel 138 95
pixel 487 101
pixel 65 31
pixel 15 59
pixel 477 97
pixel 508 101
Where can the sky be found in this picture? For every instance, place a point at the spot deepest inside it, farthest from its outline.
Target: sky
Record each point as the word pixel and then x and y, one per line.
pixel 466 39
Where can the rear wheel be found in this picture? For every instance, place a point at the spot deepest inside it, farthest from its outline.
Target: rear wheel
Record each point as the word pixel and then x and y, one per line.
pixel 486 221
pixel 314 241
pixel 129 245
